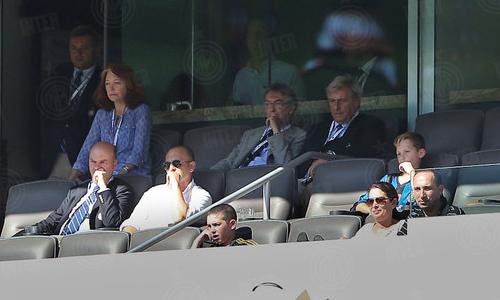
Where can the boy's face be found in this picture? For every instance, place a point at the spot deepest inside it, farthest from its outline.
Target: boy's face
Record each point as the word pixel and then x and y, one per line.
pixel 406 152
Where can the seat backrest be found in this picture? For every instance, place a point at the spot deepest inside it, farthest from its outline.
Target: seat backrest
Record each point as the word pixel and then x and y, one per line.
pixel 283 192
pixel 340 183
pixel 140 184
pixel 213 143
pixel 267 231
pixel 481 157
pixel 429 161
pixel 454 131
pixel 491 128
pixel 28 247
pixel 324 228
pixel 178 241
pixel 161 141
pixel 31 202
pixel 476 184
pixel 213 181
pixel 93 243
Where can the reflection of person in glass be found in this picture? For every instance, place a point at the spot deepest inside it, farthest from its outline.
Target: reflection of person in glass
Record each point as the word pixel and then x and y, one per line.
pixel 66 136
pixel 382 201
pixel 123 120
pixel 351 41
pixel 262 69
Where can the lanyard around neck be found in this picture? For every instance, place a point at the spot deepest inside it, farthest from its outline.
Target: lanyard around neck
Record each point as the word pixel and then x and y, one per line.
pixel 81 86
pixel 118 127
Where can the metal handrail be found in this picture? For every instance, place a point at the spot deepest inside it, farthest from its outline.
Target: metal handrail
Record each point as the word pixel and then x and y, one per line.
pixel 263 181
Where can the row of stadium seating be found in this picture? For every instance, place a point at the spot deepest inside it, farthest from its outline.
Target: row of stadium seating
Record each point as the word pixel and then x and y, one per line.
pixel 453 132
pixel 111 242
pixel 336 186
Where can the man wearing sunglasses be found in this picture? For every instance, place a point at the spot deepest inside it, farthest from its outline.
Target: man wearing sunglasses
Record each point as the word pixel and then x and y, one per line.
pixel 276 143
pixel 172 202
pixel 428 191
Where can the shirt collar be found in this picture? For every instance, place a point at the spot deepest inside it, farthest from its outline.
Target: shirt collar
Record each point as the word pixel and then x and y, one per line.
pixel 86 73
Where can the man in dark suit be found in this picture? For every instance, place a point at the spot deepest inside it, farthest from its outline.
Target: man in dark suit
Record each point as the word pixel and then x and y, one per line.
pixel 103 201
pixel 350 133
pixel 66 124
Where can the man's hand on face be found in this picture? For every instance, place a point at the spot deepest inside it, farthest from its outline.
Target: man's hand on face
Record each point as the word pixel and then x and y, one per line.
pixel 173 178
pixel 99 178
pixel 274 123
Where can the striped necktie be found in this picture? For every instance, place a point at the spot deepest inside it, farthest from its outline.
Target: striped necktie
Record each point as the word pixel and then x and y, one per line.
pixel 81 213
pixel 263 143
pixel 77 80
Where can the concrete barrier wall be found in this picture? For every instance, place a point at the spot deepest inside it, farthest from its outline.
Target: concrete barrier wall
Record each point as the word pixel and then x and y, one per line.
pixel 442 258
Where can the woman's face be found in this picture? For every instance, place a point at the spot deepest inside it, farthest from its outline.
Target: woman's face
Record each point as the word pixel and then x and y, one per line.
pixel 380 206
pixel 115 87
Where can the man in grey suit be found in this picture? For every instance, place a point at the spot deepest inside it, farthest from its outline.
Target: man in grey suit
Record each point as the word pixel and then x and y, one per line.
pixel 278 142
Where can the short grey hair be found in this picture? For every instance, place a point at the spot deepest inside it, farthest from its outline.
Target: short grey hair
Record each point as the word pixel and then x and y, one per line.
pixel 345 81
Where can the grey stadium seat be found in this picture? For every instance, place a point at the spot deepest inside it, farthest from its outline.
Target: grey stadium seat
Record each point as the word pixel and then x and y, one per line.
pixel 28 247
pixel 491 128
pixel 93 243
pixel 212 143
pixel 481 157
pixel 478 185
pixel 429 161
pixel 283 192
pixel 324 228
pixel 454 131
pixel 179 240
pixel 340 183
pixel 31 202
pixel 161 141
pixel 267 231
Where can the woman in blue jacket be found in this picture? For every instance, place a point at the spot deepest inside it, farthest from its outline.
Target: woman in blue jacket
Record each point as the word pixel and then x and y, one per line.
pixel 123 120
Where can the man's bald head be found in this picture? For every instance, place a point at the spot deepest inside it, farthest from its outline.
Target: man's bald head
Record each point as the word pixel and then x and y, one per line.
pixel 103 157
pixel 181 159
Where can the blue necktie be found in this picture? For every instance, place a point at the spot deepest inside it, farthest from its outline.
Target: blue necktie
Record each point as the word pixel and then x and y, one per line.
pixel 263 143
pixel 81 213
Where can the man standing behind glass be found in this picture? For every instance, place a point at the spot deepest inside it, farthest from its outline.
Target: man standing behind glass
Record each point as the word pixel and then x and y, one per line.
pixel 278 142
pixel 64 134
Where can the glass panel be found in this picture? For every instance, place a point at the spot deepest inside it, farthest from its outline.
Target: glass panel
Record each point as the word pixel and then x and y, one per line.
pixel 473 189
pixel 156 43
pixel 35 85
pixel 467 63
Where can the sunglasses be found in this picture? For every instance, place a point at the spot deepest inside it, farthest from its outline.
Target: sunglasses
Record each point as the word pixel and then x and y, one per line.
pixel 177 163
pixel 379 201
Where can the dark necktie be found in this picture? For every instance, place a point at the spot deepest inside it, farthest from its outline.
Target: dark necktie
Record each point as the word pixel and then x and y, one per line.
pixel 76 81
pixel 263 143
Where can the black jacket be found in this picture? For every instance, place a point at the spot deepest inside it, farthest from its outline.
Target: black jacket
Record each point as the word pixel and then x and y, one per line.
pixel 363 138
pixel 71 125
pixel 112 207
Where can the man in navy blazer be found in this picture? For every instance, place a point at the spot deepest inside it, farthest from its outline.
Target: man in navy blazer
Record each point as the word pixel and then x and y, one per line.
pixel 66 124
pixel 113 204
pixel 351 132
pixel 276 143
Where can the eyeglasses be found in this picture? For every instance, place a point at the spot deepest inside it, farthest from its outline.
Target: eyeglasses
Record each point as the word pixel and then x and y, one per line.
pixel 177 163
pixel 379 201
pixel 278 104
